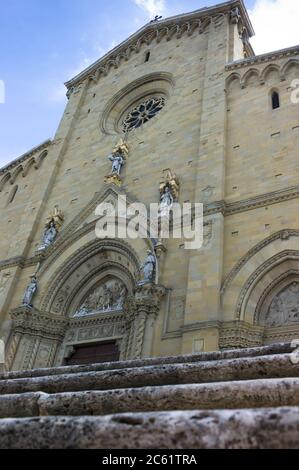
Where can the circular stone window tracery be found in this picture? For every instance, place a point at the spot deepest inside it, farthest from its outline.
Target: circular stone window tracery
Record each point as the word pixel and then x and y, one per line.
pixel 137 103
pixel 143 113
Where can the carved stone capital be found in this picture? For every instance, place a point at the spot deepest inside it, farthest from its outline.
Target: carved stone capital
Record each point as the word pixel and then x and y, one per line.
pixel 148 298
pixel 28 320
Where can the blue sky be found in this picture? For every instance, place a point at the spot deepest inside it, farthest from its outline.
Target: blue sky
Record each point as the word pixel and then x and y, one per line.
pixel 46 42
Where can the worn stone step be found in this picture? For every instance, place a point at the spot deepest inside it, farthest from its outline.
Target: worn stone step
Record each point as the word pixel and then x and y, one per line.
pixel 222 395
pixel 276 366
pixel 279 348
pixel 271 428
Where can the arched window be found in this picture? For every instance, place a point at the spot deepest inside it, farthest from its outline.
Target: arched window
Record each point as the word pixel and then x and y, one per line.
pixel 13 194
pixel 275 100
pixel 147 56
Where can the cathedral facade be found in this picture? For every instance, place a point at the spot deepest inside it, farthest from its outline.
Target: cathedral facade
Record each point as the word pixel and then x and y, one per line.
pixel 184 110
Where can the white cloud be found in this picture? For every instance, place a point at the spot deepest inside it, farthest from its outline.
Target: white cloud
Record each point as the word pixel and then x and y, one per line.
pixel 56 92
pixel 152 7
pixel 275 23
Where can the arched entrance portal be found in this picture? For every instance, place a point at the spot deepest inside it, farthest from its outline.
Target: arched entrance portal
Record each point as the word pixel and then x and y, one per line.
pixel 91 309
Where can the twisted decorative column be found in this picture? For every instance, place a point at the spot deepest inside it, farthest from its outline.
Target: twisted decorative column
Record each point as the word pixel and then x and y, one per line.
pixel 147 305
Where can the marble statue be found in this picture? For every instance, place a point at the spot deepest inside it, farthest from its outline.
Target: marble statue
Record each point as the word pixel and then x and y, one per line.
pixel 49 237
pixel 117 163
pixel 149 268
pixel 166 202
pixel 30 292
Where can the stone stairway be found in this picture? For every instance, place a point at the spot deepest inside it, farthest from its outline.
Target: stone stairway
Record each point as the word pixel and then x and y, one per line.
pixel 234 399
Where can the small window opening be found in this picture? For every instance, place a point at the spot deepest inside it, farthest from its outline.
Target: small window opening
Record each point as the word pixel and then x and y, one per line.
pixel 147 56
pixel 275 100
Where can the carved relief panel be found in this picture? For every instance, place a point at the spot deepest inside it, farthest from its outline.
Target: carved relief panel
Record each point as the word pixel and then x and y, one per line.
pixel 284 309
pixel 107 297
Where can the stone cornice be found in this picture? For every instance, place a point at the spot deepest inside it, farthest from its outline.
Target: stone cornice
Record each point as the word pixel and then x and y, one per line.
pixel 29 320
pixel 96 320
pixel 176 25
pixel 252 203
pixel 234 333
pixel 25 156
pixel 262 58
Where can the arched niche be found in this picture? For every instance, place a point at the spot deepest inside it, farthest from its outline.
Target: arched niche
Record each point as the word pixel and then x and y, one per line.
pixel 248 279
pixel 279 304
pixel 263 285
pixel 86 269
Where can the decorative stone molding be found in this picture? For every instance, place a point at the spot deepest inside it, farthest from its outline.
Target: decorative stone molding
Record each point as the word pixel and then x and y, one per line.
pixel 274 288
pixel 243 335
pixel 77 228
pixel 24 158
pixel 30 321
pixel 261 74
pixel 267 241
pixel 143 307
pixel 149 296
pixel 262 58
pixel 59 278
pixel 186 24
pixel 118 107
pixel 71 233
pixel 263 268
pixel 240 335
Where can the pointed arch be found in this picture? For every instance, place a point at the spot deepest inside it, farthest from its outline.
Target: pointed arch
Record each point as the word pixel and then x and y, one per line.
pixel 262 280
pixel 84 266
pixel 285 234
pixel 39 160
pixel 16 173
pixel 28 166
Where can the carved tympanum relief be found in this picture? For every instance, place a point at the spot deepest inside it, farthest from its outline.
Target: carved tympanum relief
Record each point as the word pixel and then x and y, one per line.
pixel 107 297
pixel 284 309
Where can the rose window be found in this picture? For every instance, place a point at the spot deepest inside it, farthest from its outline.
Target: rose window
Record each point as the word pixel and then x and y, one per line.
pixel 143 113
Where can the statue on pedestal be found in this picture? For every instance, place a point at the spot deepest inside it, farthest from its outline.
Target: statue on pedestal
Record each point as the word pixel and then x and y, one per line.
pixel 166 202
pixel 117 163
pixel 30 292
pixel 149 268
pixel 49 237
pixel 53 225
pixel 118 160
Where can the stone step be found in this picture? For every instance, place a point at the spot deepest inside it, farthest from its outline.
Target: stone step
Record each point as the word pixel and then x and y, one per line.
pixel 263 393
pixel 271 428
pixel 279 348
pixel 249 368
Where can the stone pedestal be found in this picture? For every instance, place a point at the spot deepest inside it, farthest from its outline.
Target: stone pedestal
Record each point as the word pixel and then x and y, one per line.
pixel 113 179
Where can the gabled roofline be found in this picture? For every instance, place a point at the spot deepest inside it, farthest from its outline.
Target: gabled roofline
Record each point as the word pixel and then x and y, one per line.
pixel 225 7
pixel 25 156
